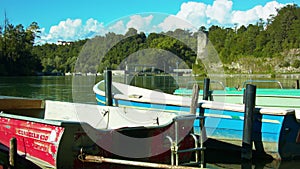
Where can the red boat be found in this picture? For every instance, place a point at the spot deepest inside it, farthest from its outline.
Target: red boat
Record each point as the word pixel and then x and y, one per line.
pixel 61 134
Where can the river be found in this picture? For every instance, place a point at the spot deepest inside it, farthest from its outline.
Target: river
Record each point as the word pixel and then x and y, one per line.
pixel 79 89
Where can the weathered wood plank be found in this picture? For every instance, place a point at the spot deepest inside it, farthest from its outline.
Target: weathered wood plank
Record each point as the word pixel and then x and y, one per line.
pixel 194 102
pixel 20 103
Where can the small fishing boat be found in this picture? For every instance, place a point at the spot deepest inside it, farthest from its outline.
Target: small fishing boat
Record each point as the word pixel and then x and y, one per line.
pixel 57 134
pixel 276 131
pixel 266 97
pixel 136 97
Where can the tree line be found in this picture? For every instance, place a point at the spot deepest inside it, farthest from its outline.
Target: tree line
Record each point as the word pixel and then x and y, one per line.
pixel 19 55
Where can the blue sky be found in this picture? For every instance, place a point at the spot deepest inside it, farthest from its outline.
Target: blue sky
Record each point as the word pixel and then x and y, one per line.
pixel 78 19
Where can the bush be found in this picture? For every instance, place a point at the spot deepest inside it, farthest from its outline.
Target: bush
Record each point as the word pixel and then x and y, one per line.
pixel 285 64
pixel 296 64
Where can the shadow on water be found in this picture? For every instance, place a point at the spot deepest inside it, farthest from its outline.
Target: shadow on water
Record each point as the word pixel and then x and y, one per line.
pixel 231 158
pixel 214 158
pixel 21 162
pixel 256 165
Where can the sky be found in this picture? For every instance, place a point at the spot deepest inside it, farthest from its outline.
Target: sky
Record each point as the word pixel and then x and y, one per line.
pixel 71 20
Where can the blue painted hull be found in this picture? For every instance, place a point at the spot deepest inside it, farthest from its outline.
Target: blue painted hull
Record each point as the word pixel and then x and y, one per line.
pixel 227 126
pixel 277 135
pixel 143 105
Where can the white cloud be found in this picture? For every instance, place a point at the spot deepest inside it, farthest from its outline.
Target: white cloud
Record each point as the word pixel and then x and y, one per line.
pixel 193 11
pixel 254 14
pixel 140 23
pixel 93 25
pixel 118 27
pixel 174 22
pixel 221 13
pixel 66 29
pixel 71 30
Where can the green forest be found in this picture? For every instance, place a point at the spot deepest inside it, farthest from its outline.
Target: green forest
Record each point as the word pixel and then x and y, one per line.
pixel 264 47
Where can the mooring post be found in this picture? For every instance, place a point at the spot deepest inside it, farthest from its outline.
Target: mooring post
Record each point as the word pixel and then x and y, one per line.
pixel 297 84
pixel 206 89
pixel 202 120
pixel 108 83
pixel 246 152
pixel 12 152
pixel 194 103
pixel 244 96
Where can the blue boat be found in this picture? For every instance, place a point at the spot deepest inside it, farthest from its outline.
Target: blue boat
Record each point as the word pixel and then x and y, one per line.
pixel 276 131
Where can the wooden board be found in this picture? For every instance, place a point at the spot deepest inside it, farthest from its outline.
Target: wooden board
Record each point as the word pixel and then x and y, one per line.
pixel 12 103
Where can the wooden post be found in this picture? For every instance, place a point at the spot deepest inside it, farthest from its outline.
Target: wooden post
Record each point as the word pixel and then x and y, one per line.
pixel 206 88
pixel 246 152
pixel 108 83
pixel 194 103
pixel 297 84
pixel 202 135
pixel 12 153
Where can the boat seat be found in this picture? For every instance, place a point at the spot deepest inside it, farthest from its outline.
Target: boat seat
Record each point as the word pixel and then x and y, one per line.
pixel 105 117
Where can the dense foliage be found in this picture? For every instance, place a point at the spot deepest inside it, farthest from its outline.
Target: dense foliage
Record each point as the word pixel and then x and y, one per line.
pixel 16 46
pixel 280 33
pixel 261 42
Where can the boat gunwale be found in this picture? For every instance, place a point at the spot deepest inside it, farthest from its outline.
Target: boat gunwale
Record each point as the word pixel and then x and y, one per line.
pixel 117 96
pixel 210 104
pixel 241 108
pixel 31 119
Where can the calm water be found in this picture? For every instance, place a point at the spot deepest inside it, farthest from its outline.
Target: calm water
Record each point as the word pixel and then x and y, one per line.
pixel 79 89
pixel 60 88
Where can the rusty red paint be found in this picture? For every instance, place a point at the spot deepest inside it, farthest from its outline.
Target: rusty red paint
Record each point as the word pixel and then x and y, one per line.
pixel 38 140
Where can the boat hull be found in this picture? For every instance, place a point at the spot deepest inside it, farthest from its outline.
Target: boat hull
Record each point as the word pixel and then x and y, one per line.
pixel 57 143
pixel 274 136
pixel 36 140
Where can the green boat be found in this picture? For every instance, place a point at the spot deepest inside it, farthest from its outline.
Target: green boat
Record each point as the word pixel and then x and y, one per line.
pixel 265 97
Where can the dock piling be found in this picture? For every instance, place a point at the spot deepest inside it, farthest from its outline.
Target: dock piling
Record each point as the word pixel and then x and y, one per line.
pixel 244 96
pixel 195 96
pixel 297 84
pixel 12 152
pixel 108 83
pixel 206 89
pixel 250 95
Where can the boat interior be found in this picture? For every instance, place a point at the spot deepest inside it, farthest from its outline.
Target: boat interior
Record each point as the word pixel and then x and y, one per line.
pixel 99 117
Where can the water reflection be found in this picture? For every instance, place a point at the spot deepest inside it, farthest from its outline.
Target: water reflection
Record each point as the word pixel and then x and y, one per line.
pixel 60 87
pixel 45 87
